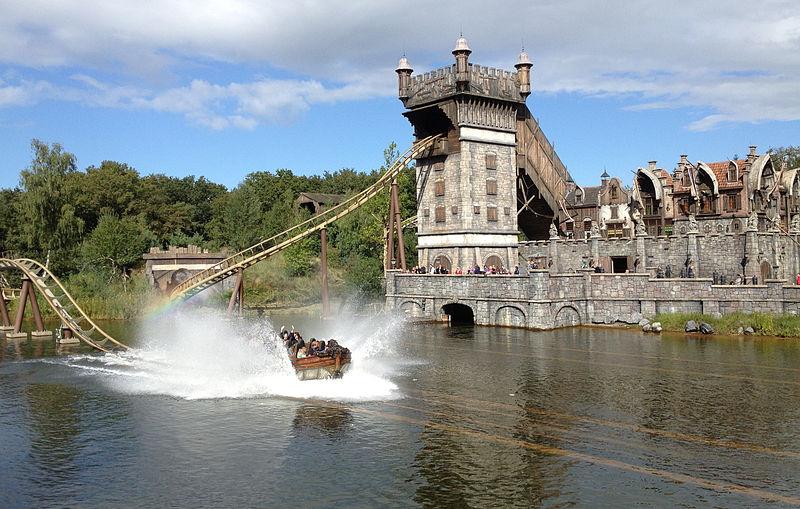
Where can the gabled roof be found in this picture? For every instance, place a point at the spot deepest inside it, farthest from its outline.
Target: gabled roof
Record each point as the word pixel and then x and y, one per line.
pixel 590 197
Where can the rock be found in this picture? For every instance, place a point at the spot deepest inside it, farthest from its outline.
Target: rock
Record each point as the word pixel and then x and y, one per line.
pixel 644 321
pixel 691 326
pixel 706 328
pixel 656 327
pixel 749 330
pixel 597 319
pixel 610 319
pixel 740 330
pixel 635 317
pixel 716 314
pixel 646 327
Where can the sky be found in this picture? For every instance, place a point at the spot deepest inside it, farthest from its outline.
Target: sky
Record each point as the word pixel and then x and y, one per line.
pixel 223 88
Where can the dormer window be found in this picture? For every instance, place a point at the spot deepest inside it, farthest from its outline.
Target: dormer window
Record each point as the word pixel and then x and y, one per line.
pixel 578 196
pixel 733 173
pixel 613 192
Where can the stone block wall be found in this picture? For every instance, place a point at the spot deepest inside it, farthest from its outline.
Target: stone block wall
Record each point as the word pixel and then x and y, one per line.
pixel 543 300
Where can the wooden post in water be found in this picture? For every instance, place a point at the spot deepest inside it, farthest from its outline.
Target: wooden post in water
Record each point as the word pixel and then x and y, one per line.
pixel 390 239
pixel 326 309
pixel 399 224
pixel 4 312
pixel 238 293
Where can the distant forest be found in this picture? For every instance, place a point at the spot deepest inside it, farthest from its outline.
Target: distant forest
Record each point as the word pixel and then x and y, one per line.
pixel 104 218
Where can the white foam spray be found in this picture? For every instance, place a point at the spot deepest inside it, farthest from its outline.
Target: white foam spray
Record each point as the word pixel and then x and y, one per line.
pixel 193 356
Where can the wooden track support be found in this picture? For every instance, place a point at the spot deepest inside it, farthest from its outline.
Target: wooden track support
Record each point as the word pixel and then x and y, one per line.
pixel 238 293
pixel 28 294
pixel 395 225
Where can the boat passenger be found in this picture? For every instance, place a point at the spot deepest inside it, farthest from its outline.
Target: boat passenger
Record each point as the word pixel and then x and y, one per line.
pixel 322 346
pixel 302 352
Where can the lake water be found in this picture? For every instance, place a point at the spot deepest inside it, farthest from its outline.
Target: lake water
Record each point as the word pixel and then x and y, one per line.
pixel 206 413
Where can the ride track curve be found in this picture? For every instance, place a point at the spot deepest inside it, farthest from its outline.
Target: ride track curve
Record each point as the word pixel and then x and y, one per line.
pixel 266 248
pixel 61 302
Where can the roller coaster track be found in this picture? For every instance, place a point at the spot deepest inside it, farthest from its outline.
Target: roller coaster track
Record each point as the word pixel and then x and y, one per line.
pixel 6 292
pixel 266 248
pixel 61 302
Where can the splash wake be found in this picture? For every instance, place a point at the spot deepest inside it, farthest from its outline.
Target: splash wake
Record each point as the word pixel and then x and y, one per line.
pixel 192 357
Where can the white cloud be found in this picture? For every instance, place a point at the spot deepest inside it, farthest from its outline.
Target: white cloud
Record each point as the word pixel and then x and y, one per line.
pixel 738 59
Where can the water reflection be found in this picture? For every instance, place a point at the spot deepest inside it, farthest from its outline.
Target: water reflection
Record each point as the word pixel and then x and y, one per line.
pixel 320 422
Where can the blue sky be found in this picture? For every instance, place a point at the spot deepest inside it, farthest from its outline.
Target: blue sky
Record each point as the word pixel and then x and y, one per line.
pixel 220 89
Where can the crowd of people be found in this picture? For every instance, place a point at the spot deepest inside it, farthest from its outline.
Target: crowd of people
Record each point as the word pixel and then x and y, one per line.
pixel 477 269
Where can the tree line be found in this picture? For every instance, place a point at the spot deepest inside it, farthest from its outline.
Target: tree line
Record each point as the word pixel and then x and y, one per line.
pixel 104 218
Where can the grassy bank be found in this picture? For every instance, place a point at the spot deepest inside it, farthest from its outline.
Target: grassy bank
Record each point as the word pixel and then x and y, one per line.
pixel 764 324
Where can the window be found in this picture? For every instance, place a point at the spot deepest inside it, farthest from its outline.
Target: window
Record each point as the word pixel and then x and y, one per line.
pixel 568 225
pixel 507 211
pixel 578 196
pixel 733 173
pixel 491 162
pixel 454 209
pixel 613 192
pixel 686 179
pixel 648 206
pixel 426 212
pixel 491 187
pixel 614 211
pixel 491 213
pixel 683 206
pixel 439 187
pixel 476 209
pixel 733 202
pixel 587 225
pixel 440 214
pixel 438 166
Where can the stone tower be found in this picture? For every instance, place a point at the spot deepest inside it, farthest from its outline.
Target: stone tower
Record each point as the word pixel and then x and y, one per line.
pixel 466 188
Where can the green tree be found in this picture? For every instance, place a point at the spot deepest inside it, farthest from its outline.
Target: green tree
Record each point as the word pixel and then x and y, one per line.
pixel 116 245
pixel 110 189
pixel 242 219
pixel 51 228
pixel 10 240
pixel 791 153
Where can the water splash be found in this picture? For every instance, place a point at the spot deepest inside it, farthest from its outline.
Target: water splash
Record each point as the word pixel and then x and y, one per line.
pixel 195 357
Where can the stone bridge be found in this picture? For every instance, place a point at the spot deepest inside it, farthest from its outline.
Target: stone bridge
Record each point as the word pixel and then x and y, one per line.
pixel 540 300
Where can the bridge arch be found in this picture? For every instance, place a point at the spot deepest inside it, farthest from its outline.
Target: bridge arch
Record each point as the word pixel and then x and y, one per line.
pixel 510 316
pixel 567 316
pixel 460 314
pixel 412 308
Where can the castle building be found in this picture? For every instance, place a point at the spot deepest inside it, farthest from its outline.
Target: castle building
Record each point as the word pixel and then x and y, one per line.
pixel 493 172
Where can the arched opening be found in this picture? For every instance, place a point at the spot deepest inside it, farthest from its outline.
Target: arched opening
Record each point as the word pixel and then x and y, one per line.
pixel 495 261
pixel 460 314
pixel 443 262
pixel 567 316
pixel 766 271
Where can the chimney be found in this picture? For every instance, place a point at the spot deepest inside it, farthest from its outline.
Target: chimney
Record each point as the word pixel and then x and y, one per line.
pixel 461 53
pixel 652 165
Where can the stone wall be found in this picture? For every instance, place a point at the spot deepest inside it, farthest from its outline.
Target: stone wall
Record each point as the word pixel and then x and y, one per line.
pixel 770 254
pixel 543 300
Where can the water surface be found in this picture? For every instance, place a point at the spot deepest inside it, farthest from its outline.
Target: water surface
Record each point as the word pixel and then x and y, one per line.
pixel 208 413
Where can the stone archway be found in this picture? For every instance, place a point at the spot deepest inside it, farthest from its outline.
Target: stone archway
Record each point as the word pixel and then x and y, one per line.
pixel 494 260
pixel 412 309
pixel 567 316
pixel 444 262
pixel 766 271
pixel 510 316
pixel 460 314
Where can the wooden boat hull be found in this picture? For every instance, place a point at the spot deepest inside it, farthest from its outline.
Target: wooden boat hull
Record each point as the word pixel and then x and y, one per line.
pixel 320 368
